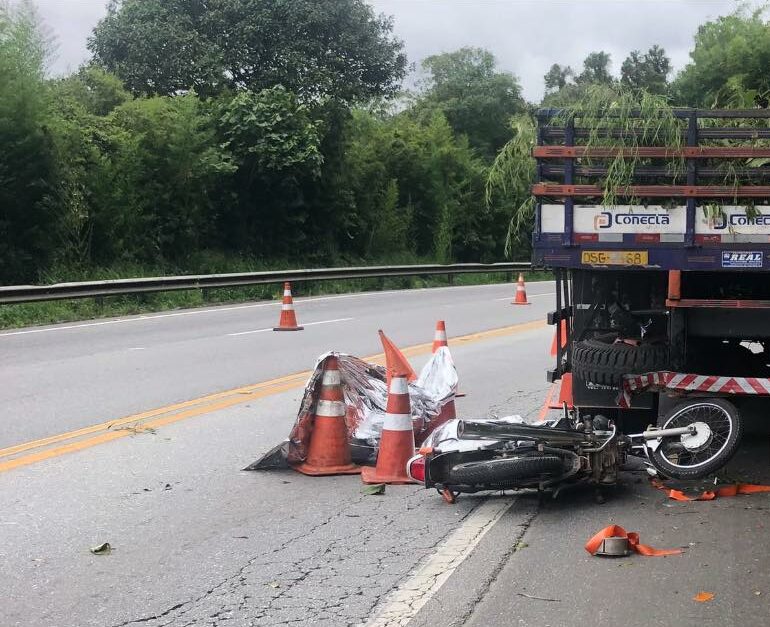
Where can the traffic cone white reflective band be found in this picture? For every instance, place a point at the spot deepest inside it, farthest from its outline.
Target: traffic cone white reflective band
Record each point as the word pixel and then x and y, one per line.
pixel 397 437
pixel 331 377
pixel 397 422
pixel 288 320
pixel 328 451
pixel 330 409
pixel 398 385
pixel 439 338
pixel 521 292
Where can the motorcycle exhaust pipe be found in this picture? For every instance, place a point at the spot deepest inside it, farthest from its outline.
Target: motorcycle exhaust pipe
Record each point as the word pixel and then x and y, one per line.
pixel 495 430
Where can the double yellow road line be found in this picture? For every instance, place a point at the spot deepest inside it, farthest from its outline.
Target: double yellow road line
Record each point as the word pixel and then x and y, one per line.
pixel 80 439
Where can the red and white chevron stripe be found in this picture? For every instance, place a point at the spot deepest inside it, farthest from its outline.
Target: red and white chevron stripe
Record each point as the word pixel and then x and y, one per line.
pixel 677 381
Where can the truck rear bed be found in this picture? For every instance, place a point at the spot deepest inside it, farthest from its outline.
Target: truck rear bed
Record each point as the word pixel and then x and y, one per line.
pixel 671 218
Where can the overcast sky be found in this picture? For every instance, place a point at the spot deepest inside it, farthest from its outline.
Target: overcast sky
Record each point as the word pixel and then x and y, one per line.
pixel 526 36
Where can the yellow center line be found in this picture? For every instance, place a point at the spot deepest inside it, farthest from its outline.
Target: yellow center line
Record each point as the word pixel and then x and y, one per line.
pixel 114 429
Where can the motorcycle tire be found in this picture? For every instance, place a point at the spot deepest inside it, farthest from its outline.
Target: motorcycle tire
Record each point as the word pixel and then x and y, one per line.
pixel 504 470
pixel 716 410
pixel 603 363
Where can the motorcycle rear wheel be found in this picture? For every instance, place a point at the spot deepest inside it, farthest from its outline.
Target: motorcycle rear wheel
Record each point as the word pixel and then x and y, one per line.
pixel 505 470
pixel 725 428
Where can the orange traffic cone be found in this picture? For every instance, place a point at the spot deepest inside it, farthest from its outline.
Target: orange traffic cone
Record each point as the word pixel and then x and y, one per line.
pixel 565 396
pixel 439 339
pixel 563 338
pixel 329 452
pixel 395 360
pixel 397 439
pixel 521 292
pixel 565 393
pixel 288 320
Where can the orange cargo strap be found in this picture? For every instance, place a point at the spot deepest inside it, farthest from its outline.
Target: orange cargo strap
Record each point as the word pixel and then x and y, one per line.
pixel 710 495
pixel 616 531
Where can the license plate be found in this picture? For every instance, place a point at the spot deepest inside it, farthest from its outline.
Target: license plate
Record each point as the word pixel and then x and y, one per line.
pixel 615 257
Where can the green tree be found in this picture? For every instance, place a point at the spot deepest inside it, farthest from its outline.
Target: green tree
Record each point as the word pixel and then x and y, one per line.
pixel 647 71
pixel 560 92
pixel 728 64
pixel 99 92
pixel 557 77
pixel 168 170
pixel 477 99
pixel 316 48
pixel 417 188
pixel 276 146
pixel 28 227
pixel 596 69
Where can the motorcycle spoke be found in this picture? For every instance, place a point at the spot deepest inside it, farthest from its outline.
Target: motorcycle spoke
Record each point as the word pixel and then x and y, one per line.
pixel 718 422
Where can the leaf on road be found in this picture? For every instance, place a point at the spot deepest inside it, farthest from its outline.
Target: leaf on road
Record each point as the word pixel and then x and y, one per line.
pixel 532 596
pixel 374 489
pixel 703 597
pixel 102 549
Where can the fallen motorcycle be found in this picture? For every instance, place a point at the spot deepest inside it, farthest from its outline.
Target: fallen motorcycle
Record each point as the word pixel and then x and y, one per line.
pixel 694 439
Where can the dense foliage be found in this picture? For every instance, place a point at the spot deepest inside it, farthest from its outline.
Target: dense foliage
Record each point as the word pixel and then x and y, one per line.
pixel 273 130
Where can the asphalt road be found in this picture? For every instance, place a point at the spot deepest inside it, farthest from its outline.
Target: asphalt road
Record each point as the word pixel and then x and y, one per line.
pixel 64 377
pixel 199 542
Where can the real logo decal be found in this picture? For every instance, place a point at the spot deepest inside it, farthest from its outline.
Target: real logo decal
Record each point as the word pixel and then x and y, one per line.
pixel 741 259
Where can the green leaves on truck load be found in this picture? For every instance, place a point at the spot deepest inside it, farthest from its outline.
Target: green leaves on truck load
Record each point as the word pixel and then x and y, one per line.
pixel 621 117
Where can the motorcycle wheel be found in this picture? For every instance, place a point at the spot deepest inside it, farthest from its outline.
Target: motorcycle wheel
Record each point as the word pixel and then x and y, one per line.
pixel 697 456
pixel 504 470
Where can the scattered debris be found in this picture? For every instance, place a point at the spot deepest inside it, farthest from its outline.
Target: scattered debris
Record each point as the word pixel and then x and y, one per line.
pixel 102 549
pixel 532 596
pixel 377 488
pixel 365 392
pixel 703 597
pixel 135 429
pixel 616 534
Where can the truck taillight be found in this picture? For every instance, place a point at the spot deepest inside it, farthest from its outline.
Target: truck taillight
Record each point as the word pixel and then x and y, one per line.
pixel 415 468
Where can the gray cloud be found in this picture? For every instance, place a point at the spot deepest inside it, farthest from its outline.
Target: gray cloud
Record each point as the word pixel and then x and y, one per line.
pixel 527 36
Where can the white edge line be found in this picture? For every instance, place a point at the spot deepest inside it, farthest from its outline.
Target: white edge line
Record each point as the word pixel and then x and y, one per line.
pixel 307 324
pixel 277 303
pixel 412 594
pixel 511 297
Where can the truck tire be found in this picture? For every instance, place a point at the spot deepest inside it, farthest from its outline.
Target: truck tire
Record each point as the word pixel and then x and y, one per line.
pixel 602 363
pixel 505 470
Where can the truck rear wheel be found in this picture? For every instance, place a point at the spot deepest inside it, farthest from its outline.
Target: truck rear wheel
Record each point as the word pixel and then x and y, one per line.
pixel 603 363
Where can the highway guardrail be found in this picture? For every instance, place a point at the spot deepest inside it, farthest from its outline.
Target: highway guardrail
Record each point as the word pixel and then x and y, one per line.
pixel 100 289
